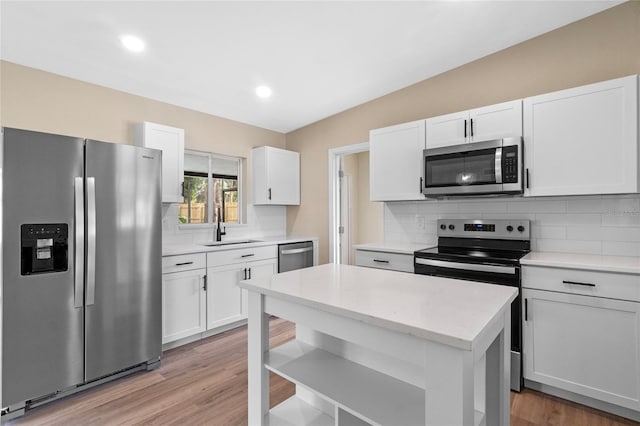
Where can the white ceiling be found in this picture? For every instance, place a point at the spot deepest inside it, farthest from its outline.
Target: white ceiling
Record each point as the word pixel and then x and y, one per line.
pixel 319 57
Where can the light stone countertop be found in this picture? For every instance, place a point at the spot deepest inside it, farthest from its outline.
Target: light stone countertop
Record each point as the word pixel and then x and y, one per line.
pixel 591 262
pixel 448 311
pixel 178 249
pixel 393 247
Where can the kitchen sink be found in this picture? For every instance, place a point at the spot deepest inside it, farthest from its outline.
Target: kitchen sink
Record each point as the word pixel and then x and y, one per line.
pixel 227 243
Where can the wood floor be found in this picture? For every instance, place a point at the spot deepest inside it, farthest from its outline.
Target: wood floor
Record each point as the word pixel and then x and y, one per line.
pixel 205 383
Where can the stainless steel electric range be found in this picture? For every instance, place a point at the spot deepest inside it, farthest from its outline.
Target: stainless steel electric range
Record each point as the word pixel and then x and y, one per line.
pixel 485 251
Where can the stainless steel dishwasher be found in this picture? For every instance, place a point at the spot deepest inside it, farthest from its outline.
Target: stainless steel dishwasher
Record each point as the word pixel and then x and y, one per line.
pixel 295 256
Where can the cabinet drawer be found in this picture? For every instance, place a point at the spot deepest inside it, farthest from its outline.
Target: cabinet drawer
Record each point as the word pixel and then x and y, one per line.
pixel 383 260
pixel 590 283
pixel 183 262
pixel 228 257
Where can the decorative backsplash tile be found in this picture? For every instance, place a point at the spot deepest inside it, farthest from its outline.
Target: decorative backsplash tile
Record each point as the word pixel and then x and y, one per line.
pixel 607 224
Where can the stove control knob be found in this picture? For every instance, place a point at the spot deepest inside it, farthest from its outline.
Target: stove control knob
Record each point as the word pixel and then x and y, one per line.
pixel 509 228
pixel 443 226
pixel 451 227
pixel 521 228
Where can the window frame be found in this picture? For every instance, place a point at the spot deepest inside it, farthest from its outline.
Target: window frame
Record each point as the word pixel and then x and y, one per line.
pixel 211 175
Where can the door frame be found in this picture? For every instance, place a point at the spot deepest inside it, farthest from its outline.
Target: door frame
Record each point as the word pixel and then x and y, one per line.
pixel 335 154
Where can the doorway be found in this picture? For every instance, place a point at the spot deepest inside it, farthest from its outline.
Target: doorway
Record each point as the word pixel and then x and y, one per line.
pixel 353 219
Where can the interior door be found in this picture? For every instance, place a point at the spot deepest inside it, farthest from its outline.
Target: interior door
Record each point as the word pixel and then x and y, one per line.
pixel 124 303
pixel 42 315
pixel 344 230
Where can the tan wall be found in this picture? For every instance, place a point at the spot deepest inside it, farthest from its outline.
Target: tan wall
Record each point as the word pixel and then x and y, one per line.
pixel 37 100
pixel 600 47
pixel 370 213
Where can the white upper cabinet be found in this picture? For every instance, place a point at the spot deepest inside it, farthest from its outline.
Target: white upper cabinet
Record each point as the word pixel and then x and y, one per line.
pixel 276 176
pixel 170 141
pixel 583 140
pixel 448 129
pixel 480 124
pixel 395 162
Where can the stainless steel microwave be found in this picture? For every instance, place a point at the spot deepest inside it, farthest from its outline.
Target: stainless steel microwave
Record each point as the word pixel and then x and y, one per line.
pixel 491 167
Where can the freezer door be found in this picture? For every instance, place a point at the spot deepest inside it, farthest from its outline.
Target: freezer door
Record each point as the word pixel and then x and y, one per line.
pixel 124 286
pixel 42 349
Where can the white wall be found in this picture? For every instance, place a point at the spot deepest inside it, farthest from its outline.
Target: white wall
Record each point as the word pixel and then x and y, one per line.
pixel 608 225
pixel 262 222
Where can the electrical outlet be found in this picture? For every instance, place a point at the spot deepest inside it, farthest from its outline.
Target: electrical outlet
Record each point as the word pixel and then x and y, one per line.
pixel 420 221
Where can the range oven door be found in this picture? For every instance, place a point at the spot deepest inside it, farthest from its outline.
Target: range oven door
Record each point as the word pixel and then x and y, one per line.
pixel 477 168
pixel 508 275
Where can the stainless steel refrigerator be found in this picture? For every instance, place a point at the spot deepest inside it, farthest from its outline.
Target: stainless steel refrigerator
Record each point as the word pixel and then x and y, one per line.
pixel 81 263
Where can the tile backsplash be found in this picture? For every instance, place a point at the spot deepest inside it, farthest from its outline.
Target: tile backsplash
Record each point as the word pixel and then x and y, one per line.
pixel 262 222
pixel 607 224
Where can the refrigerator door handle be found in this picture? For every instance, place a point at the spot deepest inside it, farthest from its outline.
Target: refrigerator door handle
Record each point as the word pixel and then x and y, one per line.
pixel 91 240
pixel 78 285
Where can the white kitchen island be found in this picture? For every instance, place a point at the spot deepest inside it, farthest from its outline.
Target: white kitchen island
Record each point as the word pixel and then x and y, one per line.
pixel 381 347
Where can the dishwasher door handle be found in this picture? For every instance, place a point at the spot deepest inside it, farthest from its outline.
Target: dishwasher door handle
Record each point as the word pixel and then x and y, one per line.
pixel 296 251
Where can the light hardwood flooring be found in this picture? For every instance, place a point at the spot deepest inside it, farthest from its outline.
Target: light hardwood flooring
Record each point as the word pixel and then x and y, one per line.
pixel 205 383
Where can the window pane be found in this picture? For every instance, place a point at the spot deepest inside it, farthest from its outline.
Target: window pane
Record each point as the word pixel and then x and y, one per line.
pixel 194 208
pixel 225 198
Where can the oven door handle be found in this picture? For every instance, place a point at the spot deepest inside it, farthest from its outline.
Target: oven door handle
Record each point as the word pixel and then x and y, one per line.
pixel 467 266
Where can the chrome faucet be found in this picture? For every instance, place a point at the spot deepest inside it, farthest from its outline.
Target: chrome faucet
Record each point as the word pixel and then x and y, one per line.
pixel 220 233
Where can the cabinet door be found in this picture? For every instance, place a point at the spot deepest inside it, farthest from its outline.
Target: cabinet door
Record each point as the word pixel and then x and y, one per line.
pixel 283 177
pixel 183 304
pixel 224 299
pixel 583 344
pixel 447 130
pixel 258 269
pixel 583 140
pixel 276 176
pixel 395 162
pixel 497 121
pixel 170 141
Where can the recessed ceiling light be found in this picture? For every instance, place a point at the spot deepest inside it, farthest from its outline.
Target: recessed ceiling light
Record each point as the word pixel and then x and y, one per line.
pixel 132 43
pixel 263 91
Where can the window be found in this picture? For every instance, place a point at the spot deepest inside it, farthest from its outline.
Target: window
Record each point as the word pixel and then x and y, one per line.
pixel 211 185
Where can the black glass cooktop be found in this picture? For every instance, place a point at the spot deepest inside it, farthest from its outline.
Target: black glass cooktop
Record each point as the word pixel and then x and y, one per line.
pixel 477 251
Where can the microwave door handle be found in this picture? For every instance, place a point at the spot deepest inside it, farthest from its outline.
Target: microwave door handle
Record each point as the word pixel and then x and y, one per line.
pixel 498 165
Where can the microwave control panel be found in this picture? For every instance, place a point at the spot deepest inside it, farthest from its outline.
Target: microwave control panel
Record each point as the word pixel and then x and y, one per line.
pixel 510 164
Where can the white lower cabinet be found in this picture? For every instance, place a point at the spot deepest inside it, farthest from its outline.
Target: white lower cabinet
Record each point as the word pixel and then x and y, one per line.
pixel 384 260
pixel 200 291
pixel 183 296
pixel 226 302
pixel 580 343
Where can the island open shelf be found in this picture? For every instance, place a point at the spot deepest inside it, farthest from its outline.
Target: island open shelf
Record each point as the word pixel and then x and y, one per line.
pixel 366 393
pixel 379 347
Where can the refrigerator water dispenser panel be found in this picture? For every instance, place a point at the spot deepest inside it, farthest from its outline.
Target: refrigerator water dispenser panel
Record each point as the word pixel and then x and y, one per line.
pixel 44 248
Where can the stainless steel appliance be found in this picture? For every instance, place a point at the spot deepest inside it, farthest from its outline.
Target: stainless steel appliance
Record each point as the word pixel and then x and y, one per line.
pixel 491 167
pixel 486 251
pixel 81 264
pixel 295 256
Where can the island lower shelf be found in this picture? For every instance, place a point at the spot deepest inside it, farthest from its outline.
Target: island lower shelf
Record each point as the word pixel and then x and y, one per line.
pixel 368 395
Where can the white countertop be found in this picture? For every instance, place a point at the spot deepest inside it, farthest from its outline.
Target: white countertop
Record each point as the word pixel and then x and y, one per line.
pixel 393 247
pixel 622 264
pixel 452 312
pixel 178 249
